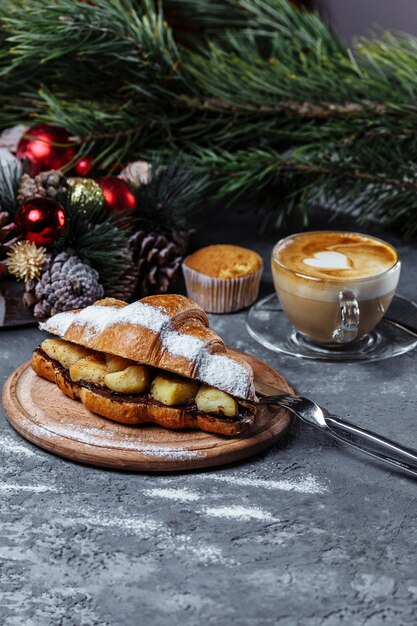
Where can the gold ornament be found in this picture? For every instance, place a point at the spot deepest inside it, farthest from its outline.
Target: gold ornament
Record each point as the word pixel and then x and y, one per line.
pixel 25 260
pixel 85 194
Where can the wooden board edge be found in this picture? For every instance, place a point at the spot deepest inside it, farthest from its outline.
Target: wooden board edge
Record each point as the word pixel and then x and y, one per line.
pixel 89 456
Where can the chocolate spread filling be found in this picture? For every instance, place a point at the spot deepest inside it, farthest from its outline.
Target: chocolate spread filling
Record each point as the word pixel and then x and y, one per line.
pixel 242 415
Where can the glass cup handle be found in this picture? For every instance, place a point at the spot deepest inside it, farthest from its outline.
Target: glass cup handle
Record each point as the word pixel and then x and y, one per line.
pixel 349 318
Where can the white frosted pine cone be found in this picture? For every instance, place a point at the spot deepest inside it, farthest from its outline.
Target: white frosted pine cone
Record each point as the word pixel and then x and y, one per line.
pixel 66 283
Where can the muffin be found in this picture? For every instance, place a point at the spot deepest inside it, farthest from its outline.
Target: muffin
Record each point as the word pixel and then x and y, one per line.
pixel 223 278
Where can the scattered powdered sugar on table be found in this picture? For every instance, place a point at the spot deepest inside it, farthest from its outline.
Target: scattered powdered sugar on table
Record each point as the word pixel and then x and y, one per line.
pixel 232 511
pixel 15 448
pixel 241 513
pixel 207 554
pixel 306 484
pixel 216 370
pixel 138 525
pixel 34 488
pixel 158 532
pixel 179 495
pixel 203 552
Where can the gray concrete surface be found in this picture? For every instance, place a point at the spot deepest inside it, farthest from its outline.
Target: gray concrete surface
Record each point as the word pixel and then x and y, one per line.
pixel 357 18
pixel 309 533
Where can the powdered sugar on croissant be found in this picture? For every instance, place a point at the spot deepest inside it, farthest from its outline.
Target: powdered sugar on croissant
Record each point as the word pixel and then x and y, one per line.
pixel 168 331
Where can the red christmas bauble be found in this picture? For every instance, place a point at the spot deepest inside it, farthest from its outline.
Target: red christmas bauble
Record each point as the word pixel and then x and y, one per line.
pixel 84 166
pixel 87 164
pixel 118 195
pixel 41 221
pixel 46 147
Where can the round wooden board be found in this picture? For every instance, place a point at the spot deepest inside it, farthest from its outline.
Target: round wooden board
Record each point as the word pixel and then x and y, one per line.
pixel 40 412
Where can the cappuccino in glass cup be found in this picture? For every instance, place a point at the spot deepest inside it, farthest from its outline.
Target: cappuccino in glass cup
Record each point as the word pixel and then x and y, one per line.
pixel 334 286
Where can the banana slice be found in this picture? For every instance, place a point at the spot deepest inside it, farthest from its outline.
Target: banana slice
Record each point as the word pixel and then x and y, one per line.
pixel 64 352
pixel 173 390
pixel 91 369
pixel 210 400
pixel 117 363
pixel 133 379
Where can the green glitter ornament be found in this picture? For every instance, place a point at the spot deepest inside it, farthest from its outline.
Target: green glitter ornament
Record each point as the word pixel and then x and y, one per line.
pixel 85 195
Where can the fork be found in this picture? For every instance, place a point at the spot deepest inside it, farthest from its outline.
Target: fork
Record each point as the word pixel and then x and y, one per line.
pixel 368 442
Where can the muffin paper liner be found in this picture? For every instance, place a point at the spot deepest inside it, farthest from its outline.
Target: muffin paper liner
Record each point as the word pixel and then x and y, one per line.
pixel 221 295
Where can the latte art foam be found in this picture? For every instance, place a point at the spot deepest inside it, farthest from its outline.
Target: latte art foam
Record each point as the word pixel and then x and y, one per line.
pixel 336 255
pixel 329 260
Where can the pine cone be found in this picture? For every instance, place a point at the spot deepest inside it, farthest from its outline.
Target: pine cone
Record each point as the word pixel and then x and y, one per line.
pixel 66 283
pixel 181 239
pixel 52 184
pixel 124 286
pixel 157 259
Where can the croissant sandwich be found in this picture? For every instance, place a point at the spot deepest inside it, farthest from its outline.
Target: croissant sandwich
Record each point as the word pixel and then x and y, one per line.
pixel 155 360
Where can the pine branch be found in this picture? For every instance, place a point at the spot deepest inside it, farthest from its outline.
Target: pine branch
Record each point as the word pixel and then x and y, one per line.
pixel 86 34
pixel 262 92
pixel 368 195
pixel 10 175
pixel 104 246
pixel 173 192
pixel 216 19
pixel 96 236
pixel 299 109
pixel 118 58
